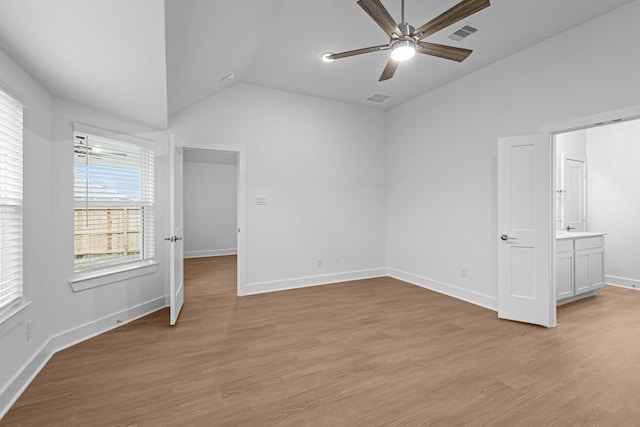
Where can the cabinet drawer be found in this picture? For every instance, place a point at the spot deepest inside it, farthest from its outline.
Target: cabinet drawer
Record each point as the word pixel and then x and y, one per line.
pixel 564 245
pixel 589 243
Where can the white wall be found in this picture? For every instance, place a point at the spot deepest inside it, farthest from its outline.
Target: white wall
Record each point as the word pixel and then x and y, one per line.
pixel 15 350
pixel 442 158
pixel 210 209
pixel 572 144
pixel 321 165
pixel 614 197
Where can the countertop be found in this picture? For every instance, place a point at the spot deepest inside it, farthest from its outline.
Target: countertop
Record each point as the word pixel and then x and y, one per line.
pixel 560 235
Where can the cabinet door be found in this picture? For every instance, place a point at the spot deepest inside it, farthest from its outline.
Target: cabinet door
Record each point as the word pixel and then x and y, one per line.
pixel 596 268
pixel 564 275
pixel 582 270
pixel 589 269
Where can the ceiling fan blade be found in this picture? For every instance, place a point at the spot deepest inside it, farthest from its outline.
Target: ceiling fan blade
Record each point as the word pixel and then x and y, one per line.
pixel 456 13
pixel 357 52
pixel 447 52
pixel 378 13
pixel 389 70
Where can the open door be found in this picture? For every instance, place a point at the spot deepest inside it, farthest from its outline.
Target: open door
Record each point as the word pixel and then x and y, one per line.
pixel 524 234
pixel 574 186
pixel 176 269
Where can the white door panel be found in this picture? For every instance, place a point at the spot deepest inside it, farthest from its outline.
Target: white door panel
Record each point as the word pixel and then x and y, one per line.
pixel 176 280
pixel 524 236
pixel 574 200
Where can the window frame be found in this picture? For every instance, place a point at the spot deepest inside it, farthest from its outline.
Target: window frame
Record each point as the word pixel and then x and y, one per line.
pixel 93 277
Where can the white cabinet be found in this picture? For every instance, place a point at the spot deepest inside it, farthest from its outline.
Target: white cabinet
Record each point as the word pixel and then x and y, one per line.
pixel 579 266
pixel 564 275
pixel 589 269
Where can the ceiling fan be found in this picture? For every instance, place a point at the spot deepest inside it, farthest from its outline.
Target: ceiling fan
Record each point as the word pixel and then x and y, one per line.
pixel 405 40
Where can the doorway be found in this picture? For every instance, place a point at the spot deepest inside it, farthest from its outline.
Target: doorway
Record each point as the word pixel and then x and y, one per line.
pixel 528 242
pixel 210 203
pixel 208 171
pixel 597 195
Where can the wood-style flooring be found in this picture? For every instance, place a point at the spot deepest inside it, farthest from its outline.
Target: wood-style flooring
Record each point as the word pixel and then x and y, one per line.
pixel 365 353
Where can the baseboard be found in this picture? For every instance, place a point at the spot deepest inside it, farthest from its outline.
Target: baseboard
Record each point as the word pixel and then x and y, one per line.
pixel 443 288
pixel 212 252
pixel 18 384
pixel 304 282
pixel 89 330
pixel 622 282
pixel 575 298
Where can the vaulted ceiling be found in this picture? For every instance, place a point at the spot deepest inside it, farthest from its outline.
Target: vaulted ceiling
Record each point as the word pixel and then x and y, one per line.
pixel 148 59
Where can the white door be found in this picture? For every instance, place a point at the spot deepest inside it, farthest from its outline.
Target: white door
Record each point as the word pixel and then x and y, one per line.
pixel 176 270
pixel 574 200
pixel 524 237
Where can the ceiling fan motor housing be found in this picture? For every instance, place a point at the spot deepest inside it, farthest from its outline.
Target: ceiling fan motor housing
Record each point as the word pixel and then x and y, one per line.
pixel 405 39
pixel 406 29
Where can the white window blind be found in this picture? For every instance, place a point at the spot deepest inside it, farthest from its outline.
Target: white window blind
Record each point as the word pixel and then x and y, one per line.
pixel 114 203
pixel 10 201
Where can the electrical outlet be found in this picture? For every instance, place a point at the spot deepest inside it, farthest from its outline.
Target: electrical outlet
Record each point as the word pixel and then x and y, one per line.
pixel 261 200
pixel 29 329
pixel 320 262
pixel 463 271
pixel 336 260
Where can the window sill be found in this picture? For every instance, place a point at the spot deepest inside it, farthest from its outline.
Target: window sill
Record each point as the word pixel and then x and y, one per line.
pixel 84 281
pixel 8 319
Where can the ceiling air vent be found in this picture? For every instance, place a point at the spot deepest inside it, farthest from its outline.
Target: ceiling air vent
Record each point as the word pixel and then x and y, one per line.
pixel 463 32
pixel 378 97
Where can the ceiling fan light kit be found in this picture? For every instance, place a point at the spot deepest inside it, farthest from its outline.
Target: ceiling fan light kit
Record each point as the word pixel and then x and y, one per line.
pixel 326 57
pixel 405 40
pixel 402 50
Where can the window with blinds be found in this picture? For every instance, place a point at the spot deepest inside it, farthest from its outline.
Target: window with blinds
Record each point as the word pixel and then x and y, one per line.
pixel 10 201
pixel 114 206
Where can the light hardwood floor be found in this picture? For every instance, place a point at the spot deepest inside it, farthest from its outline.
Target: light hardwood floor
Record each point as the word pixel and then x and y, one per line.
pixel 365 353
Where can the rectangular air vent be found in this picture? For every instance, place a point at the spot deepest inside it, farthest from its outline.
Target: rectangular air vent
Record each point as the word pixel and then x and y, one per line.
pixel 378 97
pixel 463 32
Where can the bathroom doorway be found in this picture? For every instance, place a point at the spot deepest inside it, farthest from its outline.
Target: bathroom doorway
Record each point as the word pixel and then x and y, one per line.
pixel 596 201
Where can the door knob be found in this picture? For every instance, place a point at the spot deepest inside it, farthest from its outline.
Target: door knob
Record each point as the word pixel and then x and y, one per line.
pixel 506 237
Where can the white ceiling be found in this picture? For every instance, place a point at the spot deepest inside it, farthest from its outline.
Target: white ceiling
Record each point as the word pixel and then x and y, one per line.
pixel 109 54
pixel 147 59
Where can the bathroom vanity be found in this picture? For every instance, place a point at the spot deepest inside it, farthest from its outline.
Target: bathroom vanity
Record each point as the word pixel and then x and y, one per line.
pixel 579 264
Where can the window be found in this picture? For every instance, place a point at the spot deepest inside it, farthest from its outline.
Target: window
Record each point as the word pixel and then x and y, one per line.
pixel 113 193
pixel 10 201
